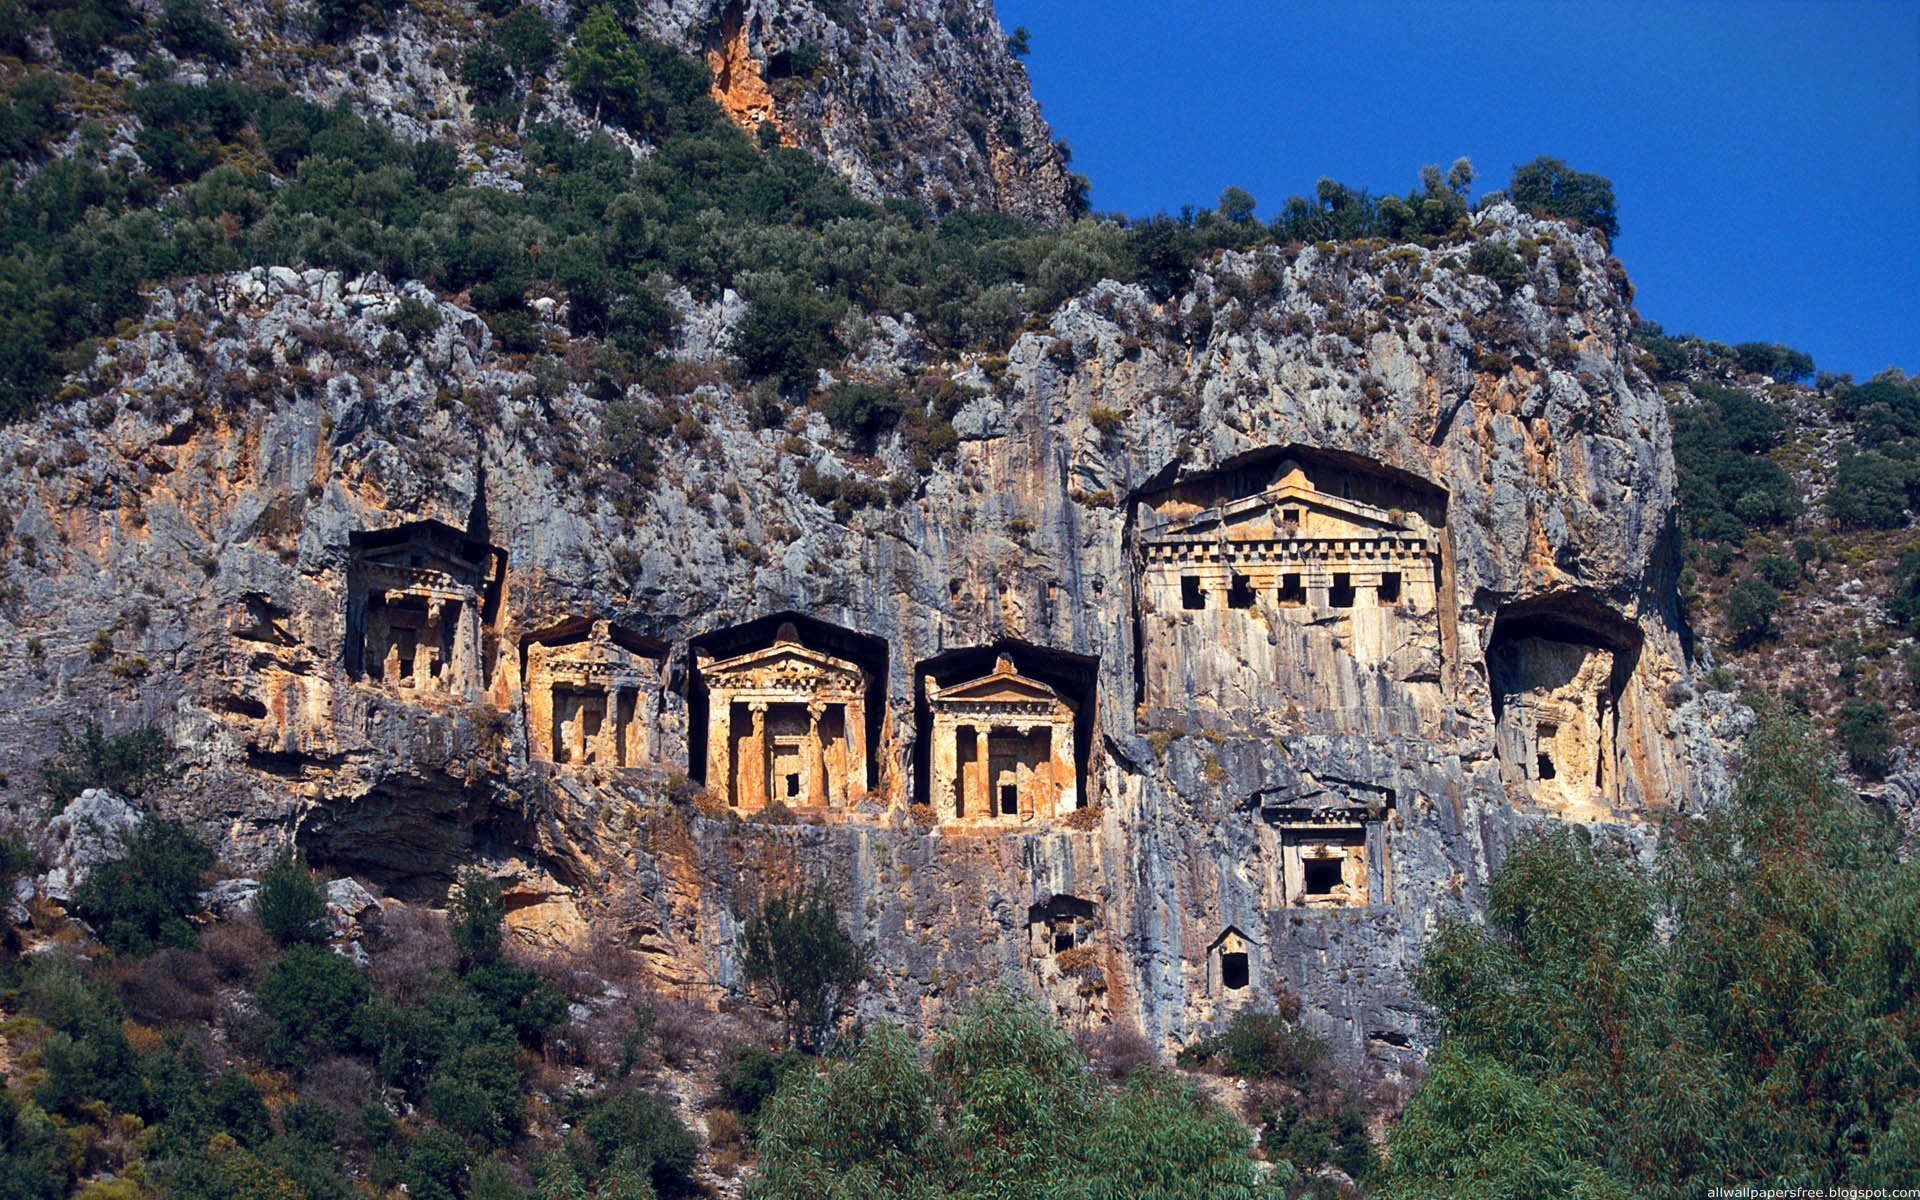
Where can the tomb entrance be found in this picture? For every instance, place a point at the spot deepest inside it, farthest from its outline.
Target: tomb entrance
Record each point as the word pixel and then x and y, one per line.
pixel 422 601
pixel 593 694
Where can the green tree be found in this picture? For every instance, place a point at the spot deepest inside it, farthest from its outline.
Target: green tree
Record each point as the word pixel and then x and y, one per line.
pixel 126 763
pixel 291 905
pixel 604 69
pixel 479 918
pixel 1550 186
pixel 1498 262
pixel 1749 609
pixel 1866 735
pixel 1869 491
pixel 797 950
pixel 1622 1030
pixel 316 996
pixel 140 901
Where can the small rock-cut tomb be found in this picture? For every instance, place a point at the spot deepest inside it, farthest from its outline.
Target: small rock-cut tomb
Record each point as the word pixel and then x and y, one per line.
pixel 593 692
pixel 419 599
pixel 1333 848
pixel 786 723
pixel 1003 750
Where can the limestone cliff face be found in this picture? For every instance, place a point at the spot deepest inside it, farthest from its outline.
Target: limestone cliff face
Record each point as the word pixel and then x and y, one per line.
pixel 1341 566
pixel 910 98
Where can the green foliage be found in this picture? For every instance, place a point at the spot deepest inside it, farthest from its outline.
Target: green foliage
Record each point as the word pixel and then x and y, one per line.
pixel 291 904
pixel 1784 363
pixel 1259 1045
pixel 749 1077
pixel 1497 262
pixel 1005 1108
pixel 337 20
pixel 636 82
pixel 788 333
pixel 1548 185
pixel 1623 1030
pixel 1865 735
pixel 1779 571
pixel 140 901
pixel 1903 598
pixel 1749 609
pixel 526 39
pixel 1869 491
pixel 479 916
pixel 1725 484
pixel 316 996
pixel 437 1167
pixel 187 30
pixel 126 763
pixel 863 412
pixel 635 1138
pixel 797 950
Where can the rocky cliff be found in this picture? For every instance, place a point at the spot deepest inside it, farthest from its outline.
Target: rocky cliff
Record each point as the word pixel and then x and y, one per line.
pixel 1341 564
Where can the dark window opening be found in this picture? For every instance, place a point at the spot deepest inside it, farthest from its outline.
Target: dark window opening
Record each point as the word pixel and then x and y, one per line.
pixel 1289 516
pixel 1544 762
pixel 1390 587
pixel 1233 970
pixel 1191 597
pixel 1062 940
pixel 1240 593
pixel 1292 592
pixel 1009 799
pixel 1342 594
pixel 1321 875
pixel 793 783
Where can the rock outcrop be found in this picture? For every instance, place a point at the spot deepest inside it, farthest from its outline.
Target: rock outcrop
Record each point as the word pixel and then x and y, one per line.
pixel 1338 568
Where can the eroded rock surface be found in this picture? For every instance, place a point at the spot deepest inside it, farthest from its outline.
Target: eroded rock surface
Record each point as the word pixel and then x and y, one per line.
pixel 394 604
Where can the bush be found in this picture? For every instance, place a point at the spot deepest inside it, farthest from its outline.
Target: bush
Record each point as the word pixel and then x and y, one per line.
pixel 788 334
pixel 1869 491
pixel 316 996
pixel 1548 185
pixel 1866 736
pixel 1903 598
pixel 1749 609
pixel 1257 1045
pixel 1498 262
pixel 126 763
pixel 796 948
pixel 291 905
pixel 863 412
pixel 1780 572
pixel 478 919
pixel 141 900
pixel 641 1128
pixel 749 1077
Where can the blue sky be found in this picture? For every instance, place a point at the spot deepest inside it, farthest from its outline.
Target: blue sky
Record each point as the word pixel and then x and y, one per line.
pixel 1765 156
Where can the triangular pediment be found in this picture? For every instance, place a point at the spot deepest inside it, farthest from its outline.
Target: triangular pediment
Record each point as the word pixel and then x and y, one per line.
pixel 997 688
pixel 787 660
pixel 1267 514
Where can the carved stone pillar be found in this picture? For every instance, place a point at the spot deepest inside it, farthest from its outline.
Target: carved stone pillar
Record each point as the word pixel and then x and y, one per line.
pixel 856 734
pixel 720 747
pixel 989 801
pixel 813 759
pixel 754 766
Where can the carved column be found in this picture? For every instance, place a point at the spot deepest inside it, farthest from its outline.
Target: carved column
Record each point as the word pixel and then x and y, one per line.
pixel 983 748
pixel 856 734
pixel 754 766
pixel 813 759
pixel 720 746
pixel 1066 767
pixel 943 758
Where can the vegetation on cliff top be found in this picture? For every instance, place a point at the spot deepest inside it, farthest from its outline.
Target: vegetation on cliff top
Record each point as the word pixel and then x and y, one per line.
pixel 226 174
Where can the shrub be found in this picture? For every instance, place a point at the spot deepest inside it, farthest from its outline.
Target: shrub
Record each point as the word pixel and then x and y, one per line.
pixel 316 996
pixel 642 1128
pixel 526 38
pixel 479 915
pixel 796 948
pixel 1779 571
pixel 1259 1045
pixel 1497 262
pixel 1548 185
pixel 141 900
pixel 291 905
pixel 1869 491
pixel 863 412
pixel 749 1077
pixel 1749 609
pixel 1866 736
pixel 788 334
pixel 1903 598
pixel 126 763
